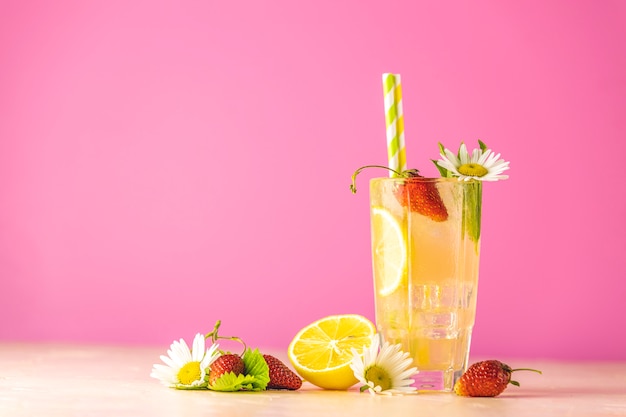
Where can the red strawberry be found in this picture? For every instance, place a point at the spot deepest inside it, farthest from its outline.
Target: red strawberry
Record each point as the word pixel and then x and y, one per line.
pixel 281 377
pixel 486 379
pixel 225 364
pixel 422 197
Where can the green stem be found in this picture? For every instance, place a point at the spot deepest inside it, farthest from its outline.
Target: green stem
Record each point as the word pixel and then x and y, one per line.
pixel 472 196
pixel 215 337
pixel 213 334
pixel 527 369
pixel 358 171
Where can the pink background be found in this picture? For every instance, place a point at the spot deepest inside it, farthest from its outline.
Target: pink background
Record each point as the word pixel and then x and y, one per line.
pixel 165 164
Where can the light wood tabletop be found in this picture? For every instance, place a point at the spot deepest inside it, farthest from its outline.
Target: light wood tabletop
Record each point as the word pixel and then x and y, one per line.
pixel 97 380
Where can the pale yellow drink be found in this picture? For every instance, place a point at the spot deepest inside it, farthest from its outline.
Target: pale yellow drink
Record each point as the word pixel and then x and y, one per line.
pixel 426 271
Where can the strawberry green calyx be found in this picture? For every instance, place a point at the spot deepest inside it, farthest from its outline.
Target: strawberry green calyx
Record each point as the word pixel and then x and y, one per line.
pixel 257 367
pixel 255 378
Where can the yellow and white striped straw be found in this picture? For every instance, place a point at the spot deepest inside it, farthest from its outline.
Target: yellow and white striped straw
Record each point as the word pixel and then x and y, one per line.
pixel 394 120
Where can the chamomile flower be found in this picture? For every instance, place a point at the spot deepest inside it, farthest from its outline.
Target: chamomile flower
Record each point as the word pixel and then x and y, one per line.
pixel 185 368
pixel 483 164
pixel 383 369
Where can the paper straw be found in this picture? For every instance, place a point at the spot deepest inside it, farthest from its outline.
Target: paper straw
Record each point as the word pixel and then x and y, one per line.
pixel 394 120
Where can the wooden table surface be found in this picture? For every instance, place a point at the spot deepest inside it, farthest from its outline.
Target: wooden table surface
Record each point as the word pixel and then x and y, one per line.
pixel 87 380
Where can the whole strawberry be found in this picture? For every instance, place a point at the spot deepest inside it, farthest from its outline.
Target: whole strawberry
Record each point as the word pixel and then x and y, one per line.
pixel 486 379
pixel 418 196
pixel 225 364
pixel 421 197
pixel 281 377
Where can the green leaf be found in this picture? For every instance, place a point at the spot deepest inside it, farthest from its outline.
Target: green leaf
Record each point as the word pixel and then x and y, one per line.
pixel 442 171
pixel 256 366
pixel 483 147
pixel 231 382
pixel 256 378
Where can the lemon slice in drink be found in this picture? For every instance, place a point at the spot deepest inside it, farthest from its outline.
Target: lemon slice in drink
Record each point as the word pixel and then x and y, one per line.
pixel 389 251
pixel 321 353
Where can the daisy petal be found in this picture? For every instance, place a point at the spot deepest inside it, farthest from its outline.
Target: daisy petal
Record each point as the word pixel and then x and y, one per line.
pixel 197 353
pixel 389 361
pixel 491 162
pixel 180 355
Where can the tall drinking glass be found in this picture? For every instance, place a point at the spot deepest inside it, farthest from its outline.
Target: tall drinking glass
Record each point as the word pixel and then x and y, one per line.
pixel 425 253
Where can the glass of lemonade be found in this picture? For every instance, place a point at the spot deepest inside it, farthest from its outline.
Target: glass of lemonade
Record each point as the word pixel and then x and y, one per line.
pixel 425 253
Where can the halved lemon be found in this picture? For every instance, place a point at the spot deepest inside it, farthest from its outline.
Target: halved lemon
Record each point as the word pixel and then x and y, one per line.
pixel 389 251
pixel 321 353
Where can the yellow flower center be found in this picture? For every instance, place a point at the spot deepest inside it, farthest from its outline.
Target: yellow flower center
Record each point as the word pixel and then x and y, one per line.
pixel 473 170
pixel 189 373
pixel 379 376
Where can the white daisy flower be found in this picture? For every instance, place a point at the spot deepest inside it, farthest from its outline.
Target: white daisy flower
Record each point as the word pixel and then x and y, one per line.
pixel 185 368
pixel 383 370
pixel 482 164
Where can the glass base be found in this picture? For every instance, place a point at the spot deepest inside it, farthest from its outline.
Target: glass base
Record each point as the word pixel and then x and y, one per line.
pixel 442 381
